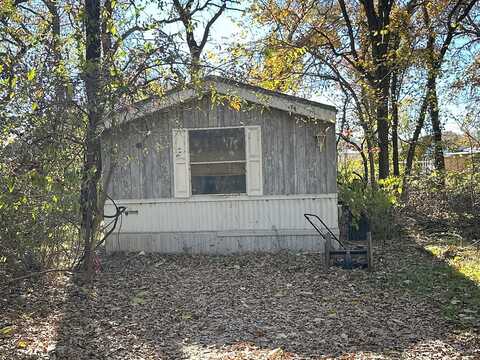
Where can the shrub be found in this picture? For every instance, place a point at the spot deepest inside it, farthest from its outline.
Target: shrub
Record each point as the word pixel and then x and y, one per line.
pixel 38 213
pixel 453 206
pixel 377 203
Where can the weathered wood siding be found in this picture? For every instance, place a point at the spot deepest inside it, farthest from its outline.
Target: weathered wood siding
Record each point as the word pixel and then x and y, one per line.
pixel 292 160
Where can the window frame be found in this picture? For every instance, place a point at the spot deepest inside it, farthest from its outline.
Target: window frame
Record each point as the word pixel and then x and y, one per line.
pixel 190 163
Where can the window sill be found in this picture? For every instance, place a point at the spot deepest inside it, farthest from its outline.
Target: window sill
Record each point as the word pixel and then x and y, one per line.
pixel 209 196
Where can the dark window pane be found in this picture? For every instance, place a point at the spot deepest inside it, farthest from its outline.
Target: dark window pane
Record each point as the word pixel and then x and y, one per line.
pixel 224 178
pixel 217 145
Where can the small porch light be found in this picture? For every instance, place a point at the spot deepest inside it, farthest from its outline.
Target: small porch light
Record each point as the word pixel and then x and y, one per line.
pixel 321 137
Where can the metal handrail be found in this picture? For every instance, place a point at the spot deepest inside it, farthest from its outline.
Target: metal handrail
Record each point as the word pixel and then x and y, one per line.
pixel 307 216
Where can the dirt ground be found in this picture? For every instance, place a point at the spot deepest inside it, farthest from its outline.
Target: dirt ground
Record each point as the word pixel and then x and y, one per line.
pixel 283 306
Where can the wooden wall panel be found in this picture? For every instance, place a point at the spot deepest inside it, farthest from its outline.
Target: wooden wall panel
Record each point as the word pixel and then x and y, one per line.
pixel 292 160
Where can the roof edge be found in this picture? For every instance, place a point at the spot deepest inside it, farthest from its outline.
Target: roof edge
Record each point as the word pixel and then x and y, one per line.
pixel 219 79
pixel 247 92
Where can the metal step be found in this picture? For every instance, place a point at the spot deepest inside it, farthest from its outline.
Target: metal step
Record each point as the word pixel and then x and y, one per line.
pixel 345 253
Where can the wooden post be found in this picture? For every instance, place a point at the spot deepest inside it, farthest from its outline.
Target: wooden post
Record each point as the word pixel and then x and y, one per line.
pixel 369 251
pixel 328 246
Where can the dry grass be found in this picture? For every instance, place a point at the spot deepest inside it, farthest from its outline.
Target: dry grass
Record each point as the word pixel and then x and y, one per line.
pixel 464 257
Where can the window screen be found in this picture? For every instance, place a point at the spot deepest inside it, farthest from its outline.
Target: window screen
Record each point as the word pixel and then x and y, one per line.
pixel 217 161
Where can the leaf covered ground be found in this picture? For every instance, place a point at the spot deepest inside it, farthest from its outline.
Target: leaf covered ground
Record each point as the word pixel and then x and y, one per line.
pixel 275 307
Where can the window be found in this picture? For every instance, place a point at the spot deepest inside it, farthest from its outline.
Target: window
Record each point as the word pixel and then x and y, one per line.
pixel 217 161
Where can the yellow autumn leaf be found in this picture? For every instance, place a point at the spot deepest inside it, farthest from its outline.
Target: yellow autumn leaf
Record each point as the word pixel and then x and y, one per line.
pixel 235 104
pixel 31 74
pixel 7 330
pixel 211 55
pixel 22 344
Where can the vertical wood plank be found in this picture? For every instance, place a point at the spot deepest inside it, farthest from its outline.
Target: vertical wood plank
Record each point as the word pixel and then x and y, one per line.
pixel 268 157
pixel 166 190
pixel 331 161
pixel 300 160
pixel 288 155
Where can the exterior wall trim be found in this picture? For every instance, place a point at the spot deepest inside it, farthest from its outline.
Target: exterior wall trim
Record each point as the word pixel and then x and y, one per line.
pixel 239 233
pixel 213 198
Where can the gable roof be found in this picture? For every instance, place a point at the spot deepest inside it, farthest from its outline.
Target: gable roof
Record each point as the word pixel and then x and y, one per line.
pixel 250 93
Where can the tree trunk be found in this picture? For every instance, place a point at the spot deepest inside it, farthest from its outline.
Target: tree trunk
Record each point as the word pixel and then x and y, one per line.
pixel 195 66
pixel 394 105
pixel 382 90
pixel 61 95
pixel 362 104
pixel 416 135
pixel 186 13
pixel 436 128
pixel 106 34
pixel 434 66
pixel 370 152
pixel 92 167
pixel 378 20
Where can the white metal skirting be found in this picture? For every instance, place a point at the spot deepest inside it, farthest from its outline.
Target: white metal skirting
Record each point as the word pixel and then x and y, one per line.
pixel 222 224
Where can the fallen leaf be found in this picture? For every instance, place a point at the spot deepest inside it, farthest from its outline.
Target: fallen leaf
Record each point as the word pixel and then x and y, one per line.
pixel 186 316
pixel 142 293
pixel 7 330
pixel 22 344
pixel 138 301
pixel 275 354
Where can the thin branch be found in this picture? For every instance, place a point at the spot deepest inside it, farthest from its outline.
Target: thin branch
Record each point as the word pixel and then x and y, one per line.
pixel 206 32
